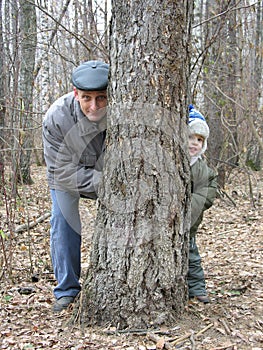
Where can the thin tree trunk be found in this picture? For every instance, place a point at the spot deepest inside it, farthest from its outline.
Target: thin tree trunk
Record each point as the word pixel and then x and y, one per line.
pixel 2 99
pixel 28 51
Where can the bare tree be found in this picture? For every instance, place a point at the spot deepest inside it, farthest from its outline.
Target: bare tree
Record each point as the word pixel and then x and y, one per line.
pixel 137 276
pixel 255 115
pixel 28 30
pixel 2 99
pixel 225 63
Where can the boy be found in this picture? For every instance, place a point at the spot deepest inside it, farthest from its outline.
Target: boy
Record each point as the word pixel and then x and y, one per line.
pixel 203 188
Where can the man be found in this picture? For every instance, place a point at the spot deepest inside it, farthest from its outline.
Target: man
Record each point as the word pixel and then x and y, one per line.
pixel 73 134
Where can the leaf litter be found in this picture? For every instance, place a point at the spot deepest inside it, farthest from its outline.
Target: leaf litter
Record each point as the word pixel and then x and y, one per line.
pixel 230 243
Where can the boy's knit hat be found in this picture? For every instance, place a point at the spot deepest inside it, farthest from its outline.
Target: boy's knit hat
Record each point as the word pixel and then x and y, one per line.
pixel 197 125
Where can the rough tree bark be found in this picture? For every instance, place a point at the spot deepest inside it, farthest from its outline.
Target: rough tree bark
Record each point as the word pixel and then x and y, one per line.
pixel 28 29
pixel 2 99
pixel 138 266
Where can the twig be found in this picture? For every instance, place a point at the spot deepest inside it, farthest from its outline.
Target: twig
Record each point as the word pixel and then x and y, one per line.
pixel 141 331
pixel 192 340
pixel 134 331
pixel 233 8
pixel 204 329
pixel 225 194
pixel 182 338
pixel 157 339
pixel 231 230
pixel 225 325
pixel 24 227
pixel 189 334
pixel 224 347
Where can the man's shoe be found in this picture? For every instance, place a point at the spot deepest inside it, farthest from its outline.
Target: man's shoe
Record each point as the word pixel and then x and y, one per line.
pixel 62 303
pixel 203 299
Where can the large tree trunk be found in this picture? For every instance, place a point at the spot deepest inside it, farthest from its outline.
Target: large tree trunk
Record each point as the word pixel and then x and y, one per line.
pixel 139 259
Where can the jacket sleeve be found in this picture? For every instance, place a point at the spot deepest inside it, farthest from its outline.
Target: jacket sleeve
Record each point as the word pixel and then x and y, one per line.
pixel 204 188
pixel 65 170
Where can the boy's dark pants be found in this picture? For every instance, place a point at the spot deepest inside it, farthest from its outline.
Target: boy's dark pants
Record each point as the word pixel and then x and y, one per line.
pixel 196 279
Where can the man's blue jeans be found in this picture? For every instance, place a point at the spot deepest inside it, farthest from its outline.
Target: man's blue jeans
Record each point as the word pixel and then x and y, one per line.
pixel 65 243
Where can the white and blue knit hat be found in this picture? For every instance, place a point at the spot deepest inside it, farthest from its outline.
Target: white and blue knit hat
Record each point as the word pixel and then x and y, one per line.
pixel 197 125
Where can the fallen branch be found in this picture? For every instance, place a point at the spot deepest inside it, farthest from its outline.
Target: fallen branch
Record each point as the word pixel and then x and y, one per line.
pixel 139 331
pixel 222 192
pixel 204 329
pixel 232 230
pixel 161 343
pixel 224 347
pixel 227 329
pixel 142 331
pixel 182 338
pixel 24 227
pixel 192 340
pixel 190 334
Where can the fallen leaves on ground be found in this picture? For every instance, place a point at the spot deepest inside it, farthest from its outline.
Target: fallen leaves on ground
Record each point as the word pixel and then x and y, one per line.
pixel 230 243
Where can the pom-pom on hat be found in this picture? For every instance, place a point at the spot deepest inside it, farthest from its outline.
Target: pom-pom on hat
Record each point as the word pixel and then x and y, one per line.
pixel 91 76
pixel 197 125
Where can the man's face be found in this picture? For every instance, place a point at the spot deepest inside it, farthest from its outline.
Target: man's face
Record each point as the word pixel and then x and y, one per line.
pixel 92 103
pixel 195 144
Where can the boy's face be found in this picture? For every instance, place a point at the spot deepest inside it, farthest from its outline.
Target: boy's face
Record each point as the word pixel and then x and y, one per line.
pixel 195 144
pixel 92 103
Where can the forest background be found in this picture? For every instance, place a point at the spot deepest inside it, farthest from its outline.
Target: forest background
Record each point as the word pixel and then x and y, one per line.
pixel 42 41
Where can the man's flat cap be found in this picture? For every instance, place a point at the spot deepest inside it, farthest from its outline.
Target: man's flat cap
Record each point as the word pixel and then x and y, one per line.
pixel 91 76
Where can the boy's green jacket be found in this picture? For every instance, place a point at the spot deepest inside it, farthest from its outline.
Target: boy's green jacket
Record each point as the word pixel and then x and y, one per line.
pixel 203 188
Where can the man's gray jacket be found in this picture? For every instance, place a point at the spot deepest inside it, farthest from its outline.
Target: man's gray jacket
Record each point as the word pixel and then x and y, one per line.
pixel 73 148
